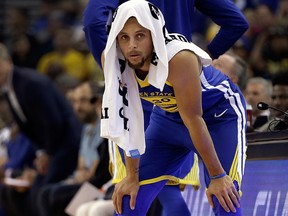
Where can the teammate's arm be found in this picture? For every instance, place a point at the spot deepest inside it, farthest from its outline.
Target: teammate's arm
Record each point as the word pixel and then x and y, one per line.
pixel 229 18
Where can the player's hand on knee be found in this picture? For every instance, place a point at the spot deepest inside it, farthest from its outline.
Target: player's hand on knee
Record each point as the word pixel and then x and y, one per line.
pixel 129 187
pixel 226 193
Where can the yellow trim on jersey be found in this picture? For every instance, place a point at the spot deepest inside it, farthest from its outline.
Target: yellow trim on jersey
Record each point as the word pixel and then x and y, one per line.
pixel 166 101
pixel 119 172
pixel 193 176
pixel 234 172
pixel 168 83
pixel 145 83
pixel 142 83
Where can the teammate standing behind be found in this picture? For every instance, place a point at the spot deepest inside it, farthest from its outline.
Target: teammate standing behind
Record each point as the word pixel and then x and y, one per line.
pixel 179 18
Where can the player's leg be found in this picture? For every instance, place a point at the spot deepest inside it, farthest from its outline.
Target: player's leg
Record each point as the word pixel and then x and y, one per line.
pixel 145 197
pixel 172 201
pixel 228 135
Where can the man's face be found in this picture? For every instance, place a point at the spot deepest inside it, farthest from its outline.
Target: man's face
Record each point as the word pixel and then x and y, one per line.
pixel 225 64
pixel 255 93
pixel 81 102
pixel 5 68
pixel 135 42
pixel 280 99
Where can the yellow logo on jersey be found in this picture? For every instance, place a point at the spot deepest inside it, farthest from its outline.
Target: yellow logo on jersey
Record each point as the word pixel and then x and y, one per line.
pixel 167 102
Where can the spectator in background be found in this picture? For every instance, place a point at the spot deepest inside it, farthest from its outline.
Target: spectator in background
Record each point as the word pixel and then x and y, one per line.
pixel 45 116
pixel 278 121
pixel 64 55
pixel 66 83
pixel 244 44
pixel 17 163
pixel 20 154
pixel 87 101
pixel 265 13
pixel 53 16
pixel 92 68
pixel 23 54
pixel 258 90
pixel 282 13
pixel 19 167
pixel 103 207
pixel 17 23
pixel 280 93
pixel 234 67
pixel 261 15
pixel 49 25
pixel 5 131
pixel 93 156
pixel 270 53
pixel 19 37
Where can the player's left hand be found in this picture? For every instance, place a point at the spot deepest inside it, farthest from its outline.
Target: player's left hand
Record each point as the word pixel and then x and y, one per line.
pixel 225 192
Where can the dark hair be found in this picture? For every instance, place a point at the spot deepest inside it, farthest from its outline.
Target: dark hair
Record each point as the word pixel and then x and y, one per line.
pixel 281 78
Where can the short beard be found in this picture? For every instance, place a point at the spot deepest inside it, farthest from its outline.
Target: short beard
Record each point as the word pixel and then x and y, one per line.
pixel 137 66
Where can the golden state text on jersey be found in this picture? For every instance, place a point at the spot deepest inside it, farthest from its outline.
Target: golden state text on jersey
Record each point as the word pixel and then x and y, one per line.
pixel 165 99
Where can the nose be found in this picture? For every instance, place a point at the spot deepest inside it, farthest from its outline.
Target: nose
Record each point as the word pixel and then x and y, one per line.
pixel 132 43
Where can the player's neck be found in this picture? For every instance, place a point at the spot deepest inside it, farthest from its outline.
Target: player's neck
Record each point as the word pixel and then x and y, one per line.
pixel 141 74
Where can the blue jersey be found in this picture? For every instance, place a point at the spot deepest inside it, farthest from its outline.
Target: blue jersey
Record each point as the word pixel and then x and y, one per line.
pixel 223 112
pixel 214 87
pixel 179 19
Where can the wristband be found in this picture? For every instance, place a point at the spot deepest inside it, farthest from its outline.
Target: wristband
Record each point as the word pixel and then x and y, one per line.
pixel 134 153
pixel 218 176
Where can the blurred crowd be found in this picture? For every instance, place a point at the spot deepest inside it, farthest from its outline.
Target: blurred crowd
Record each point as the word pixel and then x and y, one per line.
pixel 53 44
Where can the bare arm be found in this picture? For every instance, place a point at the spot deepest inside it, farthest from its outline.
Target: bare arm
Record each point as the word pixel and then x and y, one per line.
pixel 184 74
pixel 188 95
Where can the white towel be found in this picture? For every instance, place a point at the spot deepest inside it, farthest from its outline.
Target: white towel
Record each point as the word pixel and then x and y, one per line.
pixel 178 42
pixel 150 17
pixel 130 137
pixel 122 115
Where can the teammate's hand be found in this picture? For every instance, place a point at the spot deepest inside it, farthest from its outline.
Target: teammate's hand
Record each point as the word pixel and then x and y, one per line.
pixel 225 192
pixel 128 186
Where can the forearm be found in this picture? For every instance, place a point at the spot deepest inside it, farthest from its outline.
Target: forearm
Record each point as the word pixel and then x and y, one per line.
pixel 132 167
pixel 231 20
pixel 204 145
pixel 95 25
